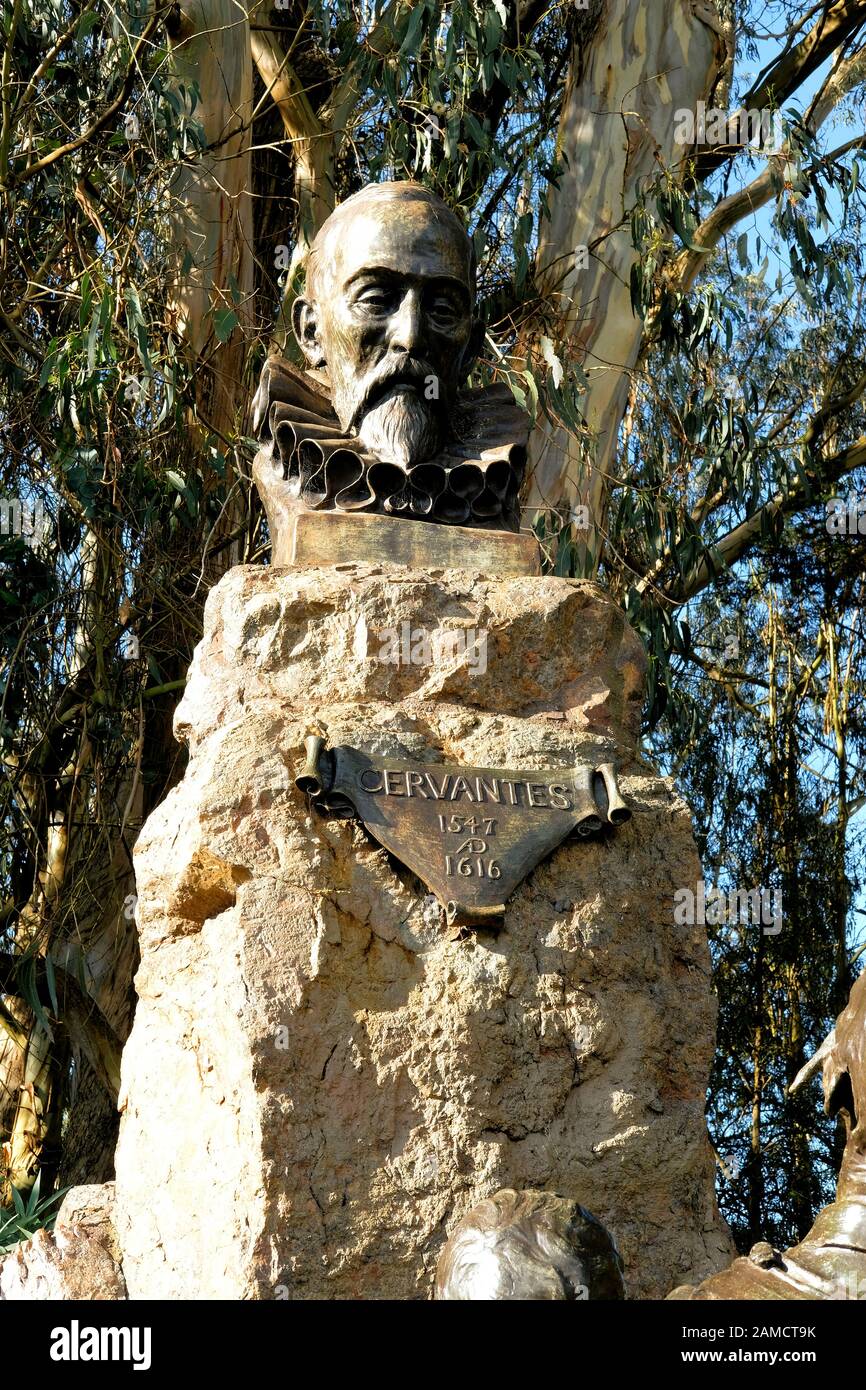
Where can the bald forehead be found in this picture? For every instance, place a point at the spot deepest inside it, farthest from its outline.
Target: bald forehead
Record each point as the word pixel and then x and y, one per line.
pixel 404 236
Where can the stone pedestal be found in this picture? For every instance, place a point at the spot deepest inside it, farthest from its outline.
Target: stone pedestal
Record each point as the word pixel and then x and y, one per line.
pixel 320 1081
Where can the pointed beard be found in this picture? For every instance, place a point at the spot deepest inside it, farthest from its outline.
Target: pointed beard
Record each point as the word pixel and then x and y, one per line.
pixel 401 429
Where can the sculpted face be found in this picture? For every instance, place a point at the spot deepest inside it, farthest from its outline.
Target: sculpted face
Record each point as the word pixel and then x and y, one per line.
pixel 389 311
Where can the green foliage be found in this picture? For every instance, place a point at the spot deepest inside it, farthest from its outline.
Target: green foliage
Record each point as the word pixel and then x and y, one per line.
pixel 723 363
pixel 436 79
pixel 27 1215
pixel 102 427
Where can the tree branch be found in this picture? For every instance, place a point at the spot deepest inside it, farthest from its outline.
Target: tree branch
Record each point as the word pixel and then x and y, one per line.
pixel 729 211
pixel 740 539
pixel 107 116
pixel 312 144
pixel 833 27
pixel 283 85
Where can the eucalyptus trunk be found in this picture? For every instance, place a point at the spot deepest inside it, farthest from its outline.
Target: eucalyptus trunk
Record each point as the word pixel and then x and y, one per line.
pixel 630 72
pixel 210 213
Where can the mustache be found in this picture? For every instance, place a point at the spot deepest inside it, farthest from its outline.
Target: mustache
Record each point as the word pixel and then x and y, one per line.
pixel 402 370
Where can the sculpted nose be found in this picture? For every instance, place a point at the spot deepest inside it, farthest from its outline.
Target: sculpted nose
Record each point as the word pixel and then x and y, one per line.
pixel 405 326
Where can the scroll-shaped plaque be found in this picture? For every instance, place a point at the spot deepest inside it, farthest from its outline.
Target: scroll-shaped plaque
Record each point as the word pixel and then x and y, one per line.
pixel 472 834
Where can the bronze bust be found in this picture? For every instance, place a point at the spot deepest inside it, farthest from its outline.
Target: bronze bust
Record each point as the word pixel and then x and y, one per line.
pixel 379 422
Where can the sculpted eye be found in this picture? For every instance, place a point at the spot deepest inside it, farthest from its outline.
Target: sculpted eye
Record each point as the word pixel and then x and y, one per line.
pixel 375 297
pixel 445 308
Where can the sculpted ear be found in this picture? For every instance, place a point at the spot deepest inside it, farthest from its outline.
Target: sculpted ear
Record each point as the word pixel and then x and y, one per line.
pixel 305 325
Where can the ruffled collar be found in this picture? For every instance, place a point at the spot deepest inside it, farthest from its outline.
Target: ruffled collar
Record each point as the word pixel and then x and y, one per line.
pixel 474 481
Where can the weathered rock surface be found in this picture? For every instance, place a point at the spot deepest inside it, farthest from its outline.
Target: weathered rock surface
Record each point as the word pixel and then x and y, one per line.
pixel 79 1259
pixel 319 1083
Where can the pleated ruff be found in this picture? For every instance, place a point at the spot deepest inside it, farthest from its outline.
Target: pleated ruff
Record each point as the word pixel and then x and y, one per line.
pixel 474 481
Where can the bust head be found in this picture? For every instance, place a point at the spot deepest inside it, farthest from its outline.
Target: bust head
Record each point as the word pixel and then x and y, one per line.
pixel 389 311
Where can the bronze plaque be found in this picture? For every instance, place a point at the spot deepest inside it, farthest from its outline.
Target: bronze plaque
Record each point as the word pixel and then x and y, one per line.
pixel 470 833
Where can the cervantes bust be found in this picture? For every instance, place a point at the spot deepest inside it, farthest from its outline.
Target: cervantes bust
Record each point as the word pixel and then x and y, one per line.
pixel 379 422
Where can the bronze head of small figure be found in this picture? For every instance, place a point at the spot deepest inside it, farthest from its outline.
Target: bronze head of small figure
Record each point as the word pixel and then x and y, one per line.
pixel 529 1246
pixel 379 420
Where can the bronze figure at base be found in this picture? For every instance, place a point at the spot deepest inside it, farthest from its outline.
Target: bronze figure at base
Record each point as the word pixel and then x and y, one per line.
pixel 830 1262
